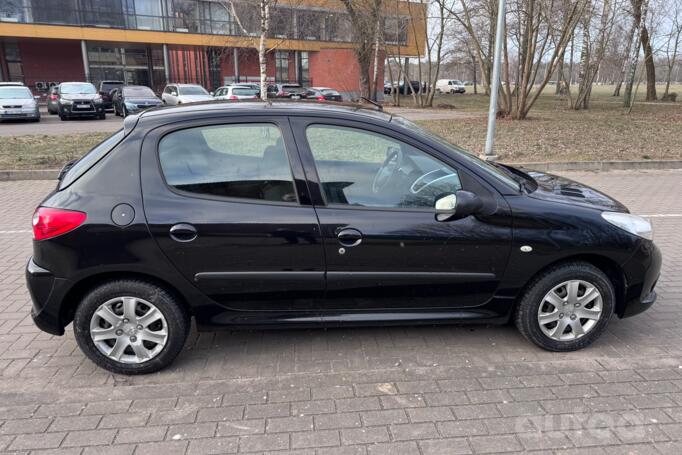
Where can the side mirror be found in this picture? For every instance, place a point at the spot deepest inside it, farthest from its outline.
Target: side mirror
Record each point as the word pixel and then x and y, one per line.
pixel 211 93
pixel 455 206
pixel 174 93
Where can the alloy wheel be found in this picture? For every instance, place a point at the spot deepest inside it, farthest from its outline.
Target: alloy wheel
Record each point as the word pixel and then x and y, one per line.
pixel 129 330
pixel 570 310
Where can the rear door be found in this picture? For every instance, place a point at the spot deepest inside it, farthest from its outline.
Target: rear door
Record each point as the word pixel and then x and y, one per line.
pixel 227 203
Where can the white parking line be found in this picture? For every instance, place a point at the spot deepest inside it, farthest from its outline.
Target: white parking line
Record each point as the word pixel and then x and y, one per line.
pixel 16 232
pixel 663 215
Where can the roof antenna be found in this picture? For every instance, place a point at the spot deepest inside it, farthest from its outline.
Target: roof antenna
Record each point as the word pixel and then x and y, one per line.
pixel 377 105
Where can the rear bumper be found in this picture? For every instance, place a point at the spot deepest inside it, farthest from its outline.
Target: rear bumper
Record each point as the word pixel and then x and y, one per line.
pixel 46 293
pixel 641 272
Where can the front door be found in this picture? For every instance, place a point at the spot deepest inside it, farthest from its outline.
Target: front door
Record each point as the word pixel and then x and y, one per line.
pixel 227 204
pixel 385 249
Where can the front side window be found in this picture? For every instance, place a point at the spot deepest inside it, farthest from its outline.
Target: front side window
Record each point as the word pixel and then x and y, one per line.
pixel 365 169
pixel 246 161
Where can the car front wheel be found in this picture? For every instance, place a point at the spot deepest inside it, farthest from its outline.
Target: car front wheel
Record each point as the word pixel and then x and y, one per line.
pixel 567 307
pixel 131 326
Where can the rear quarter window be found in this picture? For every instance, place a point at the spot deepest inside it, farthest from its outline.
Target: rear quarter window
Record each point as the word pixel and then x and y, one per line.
pixel 73 171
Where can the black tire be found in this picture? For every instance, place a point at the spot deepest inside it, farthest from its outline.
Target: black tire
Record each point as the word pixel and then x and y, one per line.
pixel 526 314
pixel 102 116
pixel 63 117
pixel 176 315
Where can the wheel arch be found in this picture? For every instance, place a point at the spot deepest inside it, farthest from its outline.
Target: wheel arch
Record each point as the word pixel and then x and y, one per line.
pixel 609 267
pixel 78 291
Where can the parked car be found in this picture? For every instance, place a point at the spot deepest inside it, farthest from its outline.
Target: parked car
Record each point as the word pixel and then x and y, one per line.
pixel 236 92
pixel 79 99
pixel 310 214
pixel 450 86
pixel 175 94
pixel 52 101
pixel 323 94
pixel 402 88
pixel 105 88
pixel 133 99
pixel 17 102
pixel 293 91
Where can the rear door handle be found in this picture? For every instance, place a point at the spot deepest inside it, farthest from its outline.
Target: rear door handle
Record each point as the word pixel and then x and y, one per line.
pixel 349 237
pixel 183 232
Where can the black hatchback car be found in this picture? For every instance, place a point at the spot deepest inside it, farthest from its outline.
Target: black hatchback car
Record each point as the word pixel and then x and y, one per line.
pixel 303 214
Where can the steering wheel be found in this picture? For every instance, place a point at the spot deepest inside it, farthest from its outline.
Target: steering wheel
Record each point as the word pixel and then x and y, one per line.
pixel 388 169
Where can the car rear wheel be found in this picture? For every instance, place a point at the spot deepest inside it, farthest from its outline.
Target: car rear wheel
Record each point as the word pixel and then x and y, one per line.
pixel 131 326
pixel 567 307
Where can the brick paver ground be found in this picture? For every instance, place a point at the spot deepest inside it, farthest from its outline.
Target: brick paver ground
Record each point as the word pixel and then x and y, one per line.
pixel 371 391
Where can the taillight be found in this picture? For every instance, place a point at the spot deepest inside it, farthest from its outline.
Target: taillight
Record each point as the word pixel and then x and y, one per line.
pixel 53 97
pixel 320 98
pixel 49 222
pixel 233 97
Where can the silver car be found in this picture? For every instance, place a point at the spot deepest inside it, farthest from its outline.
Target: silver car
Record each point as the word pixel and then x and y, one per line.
pixel 17 102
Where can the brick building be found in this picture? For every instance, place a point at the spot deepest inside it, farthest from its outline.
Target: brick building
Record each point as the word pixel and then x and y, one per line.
pixel 152 42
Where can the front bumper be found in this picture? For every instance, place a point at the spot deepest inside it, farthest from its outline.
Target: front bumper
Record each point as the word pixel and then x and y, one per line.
pixel 73 110
pixel 19 114
pixel 47 293
pixel 641 273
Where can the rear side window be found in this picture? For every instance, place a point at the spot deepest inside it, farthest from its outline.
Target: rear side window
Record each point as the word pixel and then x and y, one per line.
pixel 73 171
pixel 245 161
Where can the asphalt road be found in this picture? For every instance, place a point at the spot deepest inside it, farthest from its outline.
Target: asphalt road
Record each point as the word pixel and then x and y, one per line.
pixel 368 391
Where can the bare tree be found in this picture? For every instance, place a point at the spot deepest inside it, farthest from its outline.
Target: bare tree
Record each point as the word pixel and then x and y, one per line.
pixel 640 9
pixel 239 12
pixel 365 15
pixel 672 45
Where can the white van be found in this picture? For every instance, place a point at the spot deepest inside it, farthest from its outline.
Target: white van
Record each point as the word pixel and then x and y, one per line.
pixel 449 86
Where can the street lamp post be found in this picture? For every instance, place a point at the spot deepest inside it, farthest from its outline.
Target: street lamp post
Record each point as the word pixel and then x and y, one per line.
pixel 495 85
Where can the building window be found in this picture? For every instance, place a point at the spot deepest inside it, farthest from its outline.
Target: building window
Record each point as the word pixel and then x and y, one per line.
pixel 281 23
pixel 303 69
pixel 147 15
pixel 55 11
pixel 310 24
pixel 395 30
pixel 102 13
pixel 15 71
pixel 185 16
pixel 282 66
pixel 338 27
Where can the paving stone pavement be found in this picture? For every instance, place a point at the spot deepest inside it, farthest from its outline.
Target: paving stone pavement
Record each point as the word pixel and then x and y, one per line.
pixel 369 391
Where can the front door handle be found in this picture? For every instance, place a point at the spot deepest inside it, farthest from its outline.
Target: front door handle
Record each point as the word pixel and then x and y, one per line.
pixel 349 237
pixel 183 232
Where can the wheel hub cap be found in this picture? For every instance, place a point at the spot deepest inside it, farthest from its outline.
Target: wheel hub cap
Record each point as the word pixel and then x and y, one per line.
pixel 129 330
pixel 570 310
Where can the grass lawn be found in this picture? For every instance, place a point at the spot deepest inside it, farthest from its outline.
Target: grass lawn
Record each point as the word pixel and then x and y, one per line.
pixel 551 133
pixel 555 133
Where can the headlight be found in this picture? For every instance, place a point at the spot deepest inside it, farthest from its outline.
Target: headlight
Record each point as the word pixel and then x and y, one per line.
pixel 631 223
pixel 65 101
pixel 131 106
pixel 97 99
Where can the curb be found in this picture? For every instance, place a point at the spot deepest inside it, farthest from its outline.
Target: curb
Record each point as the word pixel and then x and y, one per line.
pixel 51 174
pixel 602 165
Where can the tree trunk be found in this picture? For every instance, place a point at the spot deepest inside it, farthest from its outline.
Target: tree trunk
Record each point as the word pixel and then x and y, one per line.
pixel 639 11
pixel 262 56
pixel 649 64
pixel 626 54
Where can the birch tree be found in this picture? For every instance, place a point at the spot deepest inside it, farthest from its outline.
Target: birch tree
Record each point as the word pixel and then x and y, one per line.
pixel 672 46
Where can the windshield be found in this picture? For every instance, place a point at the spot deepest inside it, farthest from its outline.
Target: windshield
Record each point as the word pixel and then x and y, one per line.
pixel 15 93
pixel 329 92
pixel 244 92
pixel 488 168
pixel 109 86
pixel 68 89
pixel 142 92
pixel 192 90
